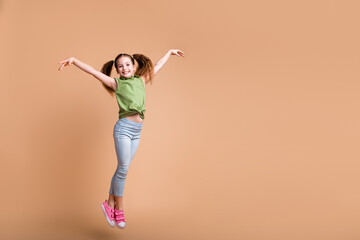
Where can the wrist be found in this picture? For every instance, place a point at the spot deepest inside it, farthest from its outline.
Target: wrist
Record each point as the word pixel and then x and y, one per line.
pixel 74 60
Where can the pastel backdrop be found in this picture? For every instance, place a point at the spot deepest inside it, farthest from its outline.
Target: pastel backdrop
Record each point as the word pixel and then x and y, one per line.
pixel 254 134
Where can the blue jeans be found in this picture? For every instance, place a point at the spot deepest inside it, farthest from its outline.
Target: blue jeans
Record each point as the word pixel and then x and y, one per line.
pixel 127 139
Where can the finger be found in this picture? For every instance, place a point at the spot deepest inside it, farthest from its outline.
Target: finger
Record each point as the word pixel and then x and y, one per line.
pixel 64 65
pixel 61 67
pixel 66 60
pixel 181 54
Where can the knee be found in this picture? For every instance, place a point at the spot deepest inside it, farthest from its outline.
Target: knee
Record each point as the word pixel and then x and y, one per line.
pixel 122 171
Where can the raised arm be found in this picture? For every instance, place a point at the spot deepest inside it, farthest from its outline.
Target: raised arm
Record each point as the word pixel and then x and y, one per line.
pixel 165 58
pixel 108 81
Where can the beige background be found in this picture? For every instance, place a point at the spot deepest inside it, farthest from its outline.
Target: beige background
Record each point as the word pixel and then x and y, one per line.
pixel 253 135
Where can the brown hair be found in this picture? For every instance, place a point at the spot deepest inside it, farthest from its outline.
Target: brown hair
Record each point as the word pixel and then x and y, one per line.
pixel 145 68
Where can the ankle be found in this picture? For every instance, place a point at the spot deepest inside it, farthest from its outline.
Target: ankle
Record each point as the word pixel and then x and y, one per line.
pixel 118 208
pixel 111 204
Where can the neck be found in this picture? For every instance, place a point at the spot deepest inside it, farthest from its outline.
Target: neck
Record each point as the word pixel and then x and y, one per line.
pixel 122 77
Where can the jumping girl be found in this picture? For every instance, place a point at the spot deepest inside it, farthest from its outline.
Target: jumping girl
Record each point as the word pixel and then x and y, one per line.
pixel 129 88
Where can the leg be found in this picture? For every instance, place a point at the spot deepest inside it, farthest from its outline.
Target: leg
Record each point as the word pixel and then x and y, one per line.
pixel 111 200
pixel 123 152
pixel 134 146
pixel 127 138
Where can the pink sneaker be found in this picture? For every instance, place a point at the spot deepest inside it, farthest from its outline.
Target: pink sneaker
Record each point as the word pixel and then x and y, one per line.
pixel 109 213
pixel 119 218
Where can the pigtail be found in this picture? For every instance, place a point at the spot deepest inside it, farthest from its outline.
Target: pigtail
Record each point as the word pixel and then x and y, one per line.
pixel 145 67
pixel 106 69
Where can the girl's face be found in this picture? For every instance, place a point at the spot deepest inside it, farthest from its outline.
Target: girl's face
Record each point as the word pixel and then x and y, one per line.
pixel 125 67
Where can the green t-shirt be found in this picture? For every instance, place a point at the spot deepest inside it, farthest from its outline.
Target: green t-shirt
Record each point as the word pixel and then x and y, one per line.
pixel 130 96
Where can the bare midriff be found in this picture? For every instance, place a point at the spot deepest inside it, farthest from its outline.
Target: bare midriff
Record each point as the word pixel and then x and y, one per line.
pixel 136 118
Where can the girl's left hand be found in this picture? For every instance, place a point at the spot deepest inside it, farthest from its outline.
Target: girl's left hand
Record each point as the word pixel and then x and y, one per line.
pixel 66 62
pixel 176 52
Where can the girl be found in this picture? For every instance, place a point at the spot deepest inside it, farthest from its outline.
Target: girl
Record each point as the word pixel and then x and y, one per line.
pixel 129 88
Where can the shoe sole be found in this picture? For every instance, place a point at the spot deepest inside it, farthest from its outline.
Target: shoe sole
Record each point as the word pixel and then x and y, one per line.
pixel 112 224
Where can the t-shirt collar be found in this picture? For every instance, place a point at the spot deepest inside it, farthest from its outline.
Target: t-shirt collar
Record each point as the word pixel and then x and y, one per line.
pixel 125 78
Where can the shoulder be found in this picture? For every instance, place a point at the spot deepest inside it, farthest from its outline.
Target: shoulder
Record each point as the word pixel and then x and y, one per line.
pixel 116 83
pixel 141 77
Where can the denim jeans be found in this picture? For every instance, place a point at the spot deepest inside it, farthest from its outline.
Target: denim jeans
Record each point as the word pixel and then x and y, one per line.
pixel 127 139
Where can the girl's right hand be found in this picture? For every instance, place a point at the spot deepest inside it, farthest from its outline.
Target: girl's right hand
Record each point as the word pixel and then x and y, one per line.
pixel 66 62
pixel 177 52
